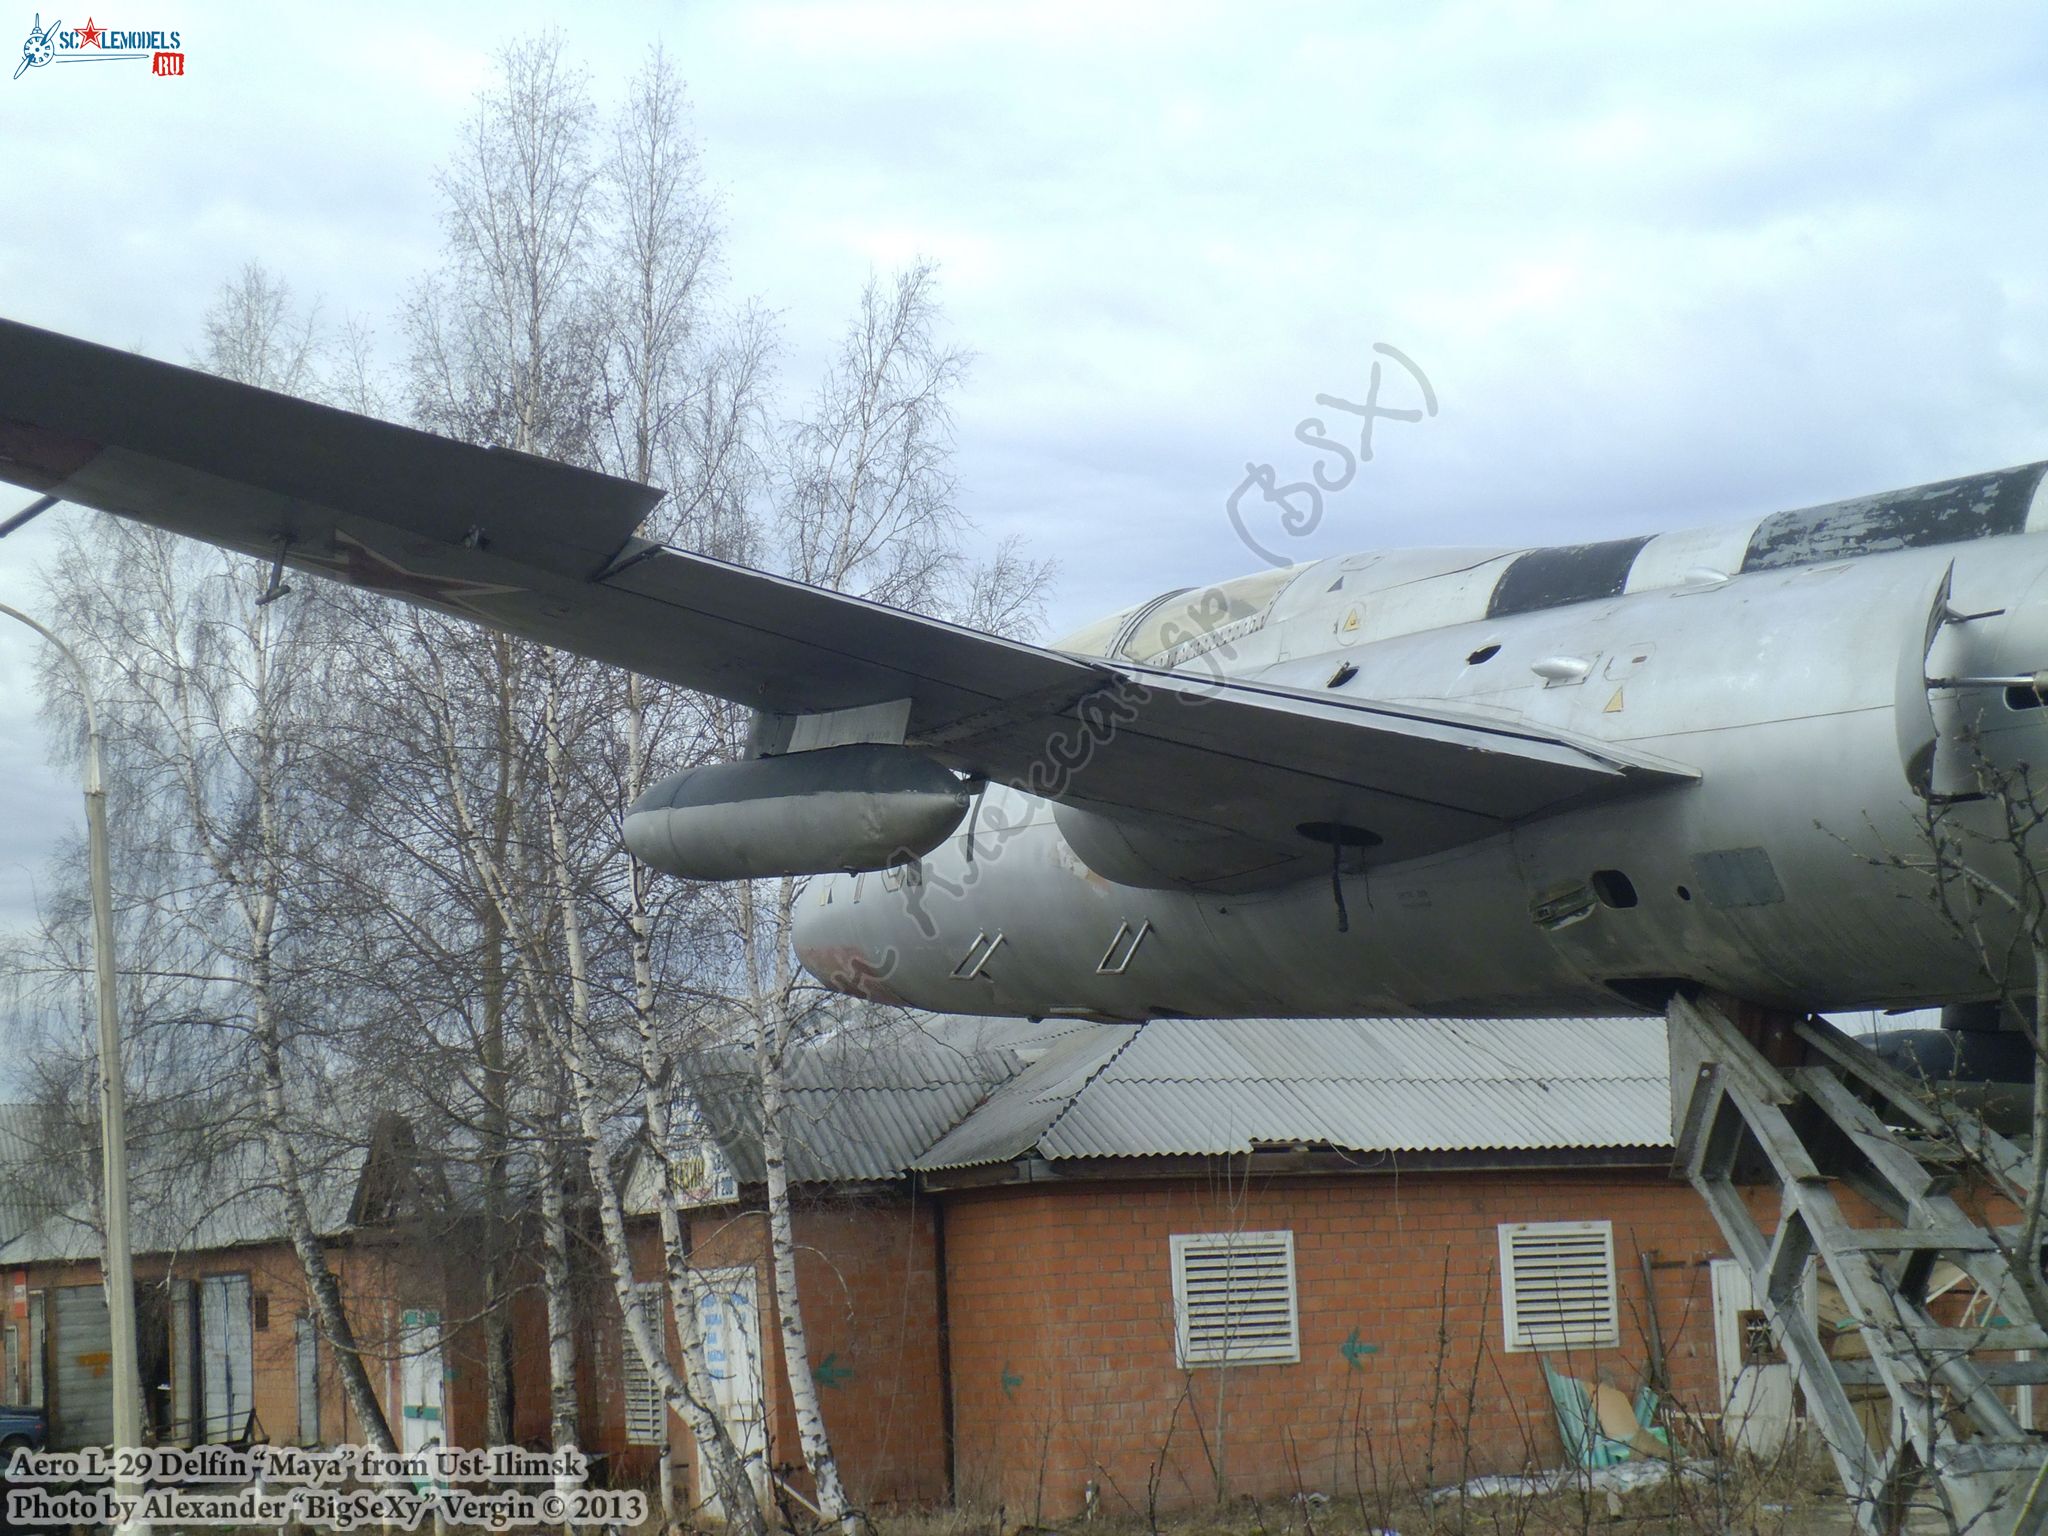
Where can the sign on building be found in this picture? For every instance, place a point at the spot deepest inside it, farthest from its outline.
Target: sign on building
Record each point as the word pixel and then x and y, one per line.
pixel 702 1175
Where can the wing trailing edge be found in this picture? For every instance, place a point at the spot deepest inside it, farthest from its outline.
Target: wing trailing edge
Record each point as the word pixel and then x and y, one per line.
pixel 1264 778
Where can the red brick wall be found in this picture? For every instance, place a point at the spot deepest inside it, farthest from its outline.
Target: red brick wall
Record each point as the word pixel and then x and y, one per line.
pixel 529 1359
pixel 868 1276
pixel 1062 1334
pixel 869 1280
pixel 376 1288
pixel 600 1399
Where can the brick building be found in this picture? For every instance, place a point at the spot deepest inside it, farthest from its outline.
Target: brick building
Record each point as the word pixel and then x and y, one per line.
pixel 1277 1255
pixel 868 1262
pixel 1384 1358
pixel 1253 1256
pixel 1039 1265
pixel 229 1348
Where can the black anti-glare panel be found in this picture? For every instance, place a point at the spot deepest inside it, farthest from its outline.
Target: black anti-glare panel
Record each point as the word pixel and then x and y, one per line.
pixel 1570 573
pixel 1948 512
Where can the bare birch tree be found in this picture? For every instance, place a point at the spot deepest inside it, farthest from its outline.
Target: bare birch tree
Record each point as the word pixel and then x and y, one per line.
pixel 522 341
pixel 216 684
pixel 501 351
pixel 514 973
pixel 216 687
pixel 681 390
pixel 689 1391
pixel 865 503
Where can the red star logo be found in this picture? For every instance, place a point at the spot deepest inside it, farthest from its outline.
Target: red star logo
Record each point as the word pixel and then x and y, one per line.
pixel 89 35
pixel 361 566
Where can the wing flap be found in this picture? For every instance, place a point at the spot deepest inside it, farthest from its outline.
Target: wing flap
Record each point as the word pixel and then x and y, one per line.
pixel 1259 777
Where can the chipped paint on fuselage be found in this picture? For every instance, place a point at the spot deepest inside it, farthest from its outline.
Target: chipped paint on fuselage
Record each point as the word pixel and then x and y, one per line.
pixel 1765 654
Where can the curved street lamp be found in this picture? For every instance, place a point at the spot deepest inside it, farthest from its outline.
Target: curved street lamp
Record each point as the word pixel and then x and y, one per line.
pixel 113 1137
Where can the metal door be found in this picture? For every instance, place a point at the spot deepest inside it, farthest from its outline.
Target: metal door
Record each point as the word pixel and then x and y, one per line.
pixel 38 1342
pixel 1756 1381
pixel 184 1367
pixel 226 1357
pixel 306 1360
pixel 420 1379
pixel 83 1412
pixel 729 1320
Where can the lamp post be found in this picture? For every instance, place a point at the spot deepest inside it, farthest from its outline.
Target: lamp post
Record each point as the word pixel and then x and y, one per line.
pixel 113 1139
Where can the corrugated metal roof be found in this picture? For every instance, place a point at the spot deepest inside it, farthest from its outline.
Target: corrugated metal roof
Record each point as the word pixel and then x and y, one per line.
pixel 178 1205
pixel 1020 1113
pixel 1178 1087
pixel 962 1093
pixel 33 1168
pixel 856 1110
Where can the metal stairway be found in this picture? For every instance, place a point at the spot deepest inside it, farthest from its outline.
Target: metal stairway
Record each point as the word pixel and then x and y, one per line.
pixel 1792 1104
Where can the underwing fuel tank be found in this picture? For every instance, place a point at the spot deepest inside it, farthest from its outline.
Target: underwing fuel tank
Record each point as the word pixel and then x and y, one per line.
pixel 838 809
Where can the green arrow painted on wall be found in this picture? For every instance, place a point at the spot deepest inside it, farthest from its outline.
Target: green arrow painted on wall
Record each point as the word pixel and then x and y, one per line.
pixel 831 1373
pixel 1011 1381
pixel 1356 1352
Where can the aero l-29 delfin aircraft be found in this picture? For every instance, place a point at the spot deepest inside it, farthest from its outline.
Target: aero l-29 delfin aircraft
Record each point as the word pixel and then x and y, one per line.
pixel 1442 781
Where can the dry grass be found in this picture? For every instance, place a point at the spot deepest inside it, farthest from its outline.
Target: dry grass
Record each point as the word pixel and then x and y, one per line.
pixel 1790 1498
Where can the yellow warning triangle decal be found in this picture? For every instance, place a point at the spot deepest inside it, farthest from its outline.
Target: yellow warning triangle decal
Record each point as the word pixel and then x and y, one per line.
pixel 1613 704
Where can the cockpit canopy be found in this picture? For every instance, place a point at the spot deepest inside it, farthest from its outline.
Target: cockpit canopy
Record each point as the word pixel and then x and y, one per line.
pixel 1177 626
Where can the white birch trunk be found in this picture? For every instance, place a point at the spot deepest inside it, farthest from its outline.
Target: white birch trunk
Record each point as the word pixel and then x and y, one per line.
pixel 771 1041
pixel 495 1127
pixel 697 1405
pixel 561 1304
pixel 796 1348
pixel 321 1282
pixel 258 895
pixel 691 1394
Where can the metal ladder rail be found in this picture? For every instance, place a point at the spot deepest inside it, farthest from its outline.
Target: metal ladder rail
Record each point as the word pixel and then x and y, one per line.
pixel 1918 1354
pixel 1810 1223
pixel 2006 1165
pixel 1737 1100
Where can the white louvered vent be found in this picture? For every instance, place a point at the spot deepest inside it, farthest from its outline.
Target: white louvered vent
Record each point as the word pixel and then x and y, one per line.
pixel 1233 1298
pixel 644 1407
pixel 1557 1284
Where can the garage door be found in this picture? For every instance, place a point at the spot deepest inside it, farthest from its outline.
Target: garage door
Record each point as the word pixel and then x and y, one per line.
pixel 83 1413
pixel 226 1339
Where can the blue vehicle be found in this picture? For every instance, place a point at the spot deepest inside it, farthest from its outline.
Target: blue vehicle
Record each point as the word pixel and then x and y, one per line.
pixel 21 1426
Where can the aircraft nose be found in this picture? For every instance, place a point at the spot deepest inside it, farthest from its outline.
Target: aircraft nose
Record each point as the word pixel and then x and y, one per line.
pixel 829 943
pixel 816 914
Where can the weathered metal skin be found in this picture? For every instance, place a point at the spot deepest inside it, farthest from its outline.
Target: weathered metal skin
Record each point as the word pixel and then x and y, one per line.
pixel 1775 878
pixel 841 808
pixel 1441 780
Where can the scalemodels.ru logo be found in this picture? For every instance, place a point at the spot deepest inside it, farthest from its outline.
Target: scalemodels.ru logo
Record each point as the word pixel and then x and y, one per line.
pixel 93 43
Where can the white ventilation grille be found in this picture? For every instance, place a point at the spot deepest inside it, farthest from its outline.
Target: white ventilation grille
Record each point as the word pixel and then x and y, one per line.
pixel 644 1408
pixel 1234 1299
pixel 1557 1284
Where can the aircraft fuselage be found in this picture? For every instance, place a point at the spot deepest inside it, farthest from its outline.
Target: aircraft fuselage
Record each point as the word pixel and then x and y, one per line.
pixel 1783 875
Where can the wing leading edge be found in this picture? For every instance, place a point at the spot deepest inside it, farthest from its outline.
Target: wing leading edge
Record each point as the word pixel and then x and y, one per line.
pixel 548 552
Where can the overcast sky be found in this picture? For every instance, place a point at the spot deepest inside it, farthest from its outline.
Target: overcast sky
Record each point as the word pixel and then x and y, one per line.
pixel 1661 265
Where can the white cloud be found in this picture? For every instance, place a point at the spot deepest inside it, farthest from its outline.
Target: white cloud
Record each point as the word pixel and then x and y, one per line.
pixel 1661 265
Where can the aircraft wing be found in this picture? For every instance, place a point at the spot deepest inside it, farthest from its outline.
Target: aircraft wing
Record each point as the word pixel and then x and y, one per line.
pixel 548 552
